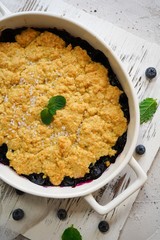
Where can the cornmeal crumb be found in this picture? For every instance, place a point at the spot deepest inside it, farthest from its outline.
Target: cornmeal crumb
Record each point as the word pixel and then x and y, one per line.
pixel 35 68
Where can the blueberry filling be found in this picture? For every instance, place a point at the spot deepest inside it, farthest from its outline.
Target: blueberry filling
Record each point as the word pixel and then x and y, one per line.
pixel 123 100
pixel 100 166
pixel 3 151
pixel 8 35
pixel 95 172
pixel 38 179
pixel 68 181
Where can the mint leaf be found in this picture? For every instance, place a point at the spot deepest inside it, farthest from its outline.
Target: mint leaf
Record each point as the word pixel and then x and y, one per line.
pixel 71 233
pixel 56 103
pixel 46 116
pixel 52 111
pixel 147 109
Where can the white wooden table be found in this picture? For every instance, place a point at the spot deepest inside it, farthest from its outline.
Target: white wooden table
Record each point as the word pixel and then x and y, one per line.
pixel 137 217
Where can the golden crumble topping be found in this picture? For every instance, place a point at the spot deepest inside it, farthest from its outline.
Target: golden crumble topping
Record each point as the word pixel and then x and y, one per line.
pixel 35 68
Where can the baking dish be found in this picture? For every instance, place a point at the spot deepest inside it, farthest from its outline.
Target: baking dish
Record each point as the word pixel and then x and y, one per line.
pixel 48 20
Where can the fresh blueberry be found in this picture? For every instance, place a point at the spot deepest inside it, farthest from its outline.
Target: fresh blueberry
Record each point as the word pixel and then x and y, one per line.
pixel 18 214
pixel 103 226
pixel 140 149
pixel 150 72
pixel 61 214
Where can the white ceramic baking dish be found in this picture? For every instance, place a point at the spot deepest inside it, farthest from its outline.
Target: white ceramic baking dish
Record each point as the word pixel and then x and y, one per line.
pixel 40 19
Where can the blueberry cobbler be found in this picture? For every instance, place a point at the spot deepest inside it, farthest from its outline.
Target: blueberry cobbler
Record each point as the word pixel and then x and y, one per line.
pixel 85 136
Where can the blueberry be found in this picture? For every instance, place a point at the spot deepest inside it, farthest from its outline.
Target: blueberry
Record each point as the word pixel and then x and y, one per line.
pixel 114 81
pixel 103 158
pixel 47 182
pixel 87 177
pixel 121 141
pixel 68 181
pixel 3 148
pixel 61 214
pixel 3 159
pixel 18 214
pixel 95 172
pixel 103 226
pixel 150 72
pixel 3 151
pixel 37 179
pixel 140 149
pixel 123 100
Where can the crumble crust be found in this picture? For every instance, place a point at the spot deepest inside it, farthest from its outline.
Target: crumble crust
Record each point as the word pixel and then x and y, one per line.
pixel 35 68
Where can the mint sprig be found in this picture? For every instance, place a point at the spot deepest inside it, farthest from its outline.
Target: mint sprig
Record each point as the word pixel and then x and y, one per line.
pixel 71 233
pixel 46 116
pixel 55 103
pixel 147 109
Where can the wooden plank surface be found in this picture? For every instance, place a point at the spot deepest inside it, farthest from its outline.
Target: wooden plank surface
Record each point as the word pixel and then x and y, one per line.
pixel 40 220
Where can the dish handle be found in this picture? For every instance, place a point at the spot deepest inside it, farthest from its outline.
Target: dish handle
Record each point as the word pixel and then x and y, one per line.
pixel 3 10
pixel 141 178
